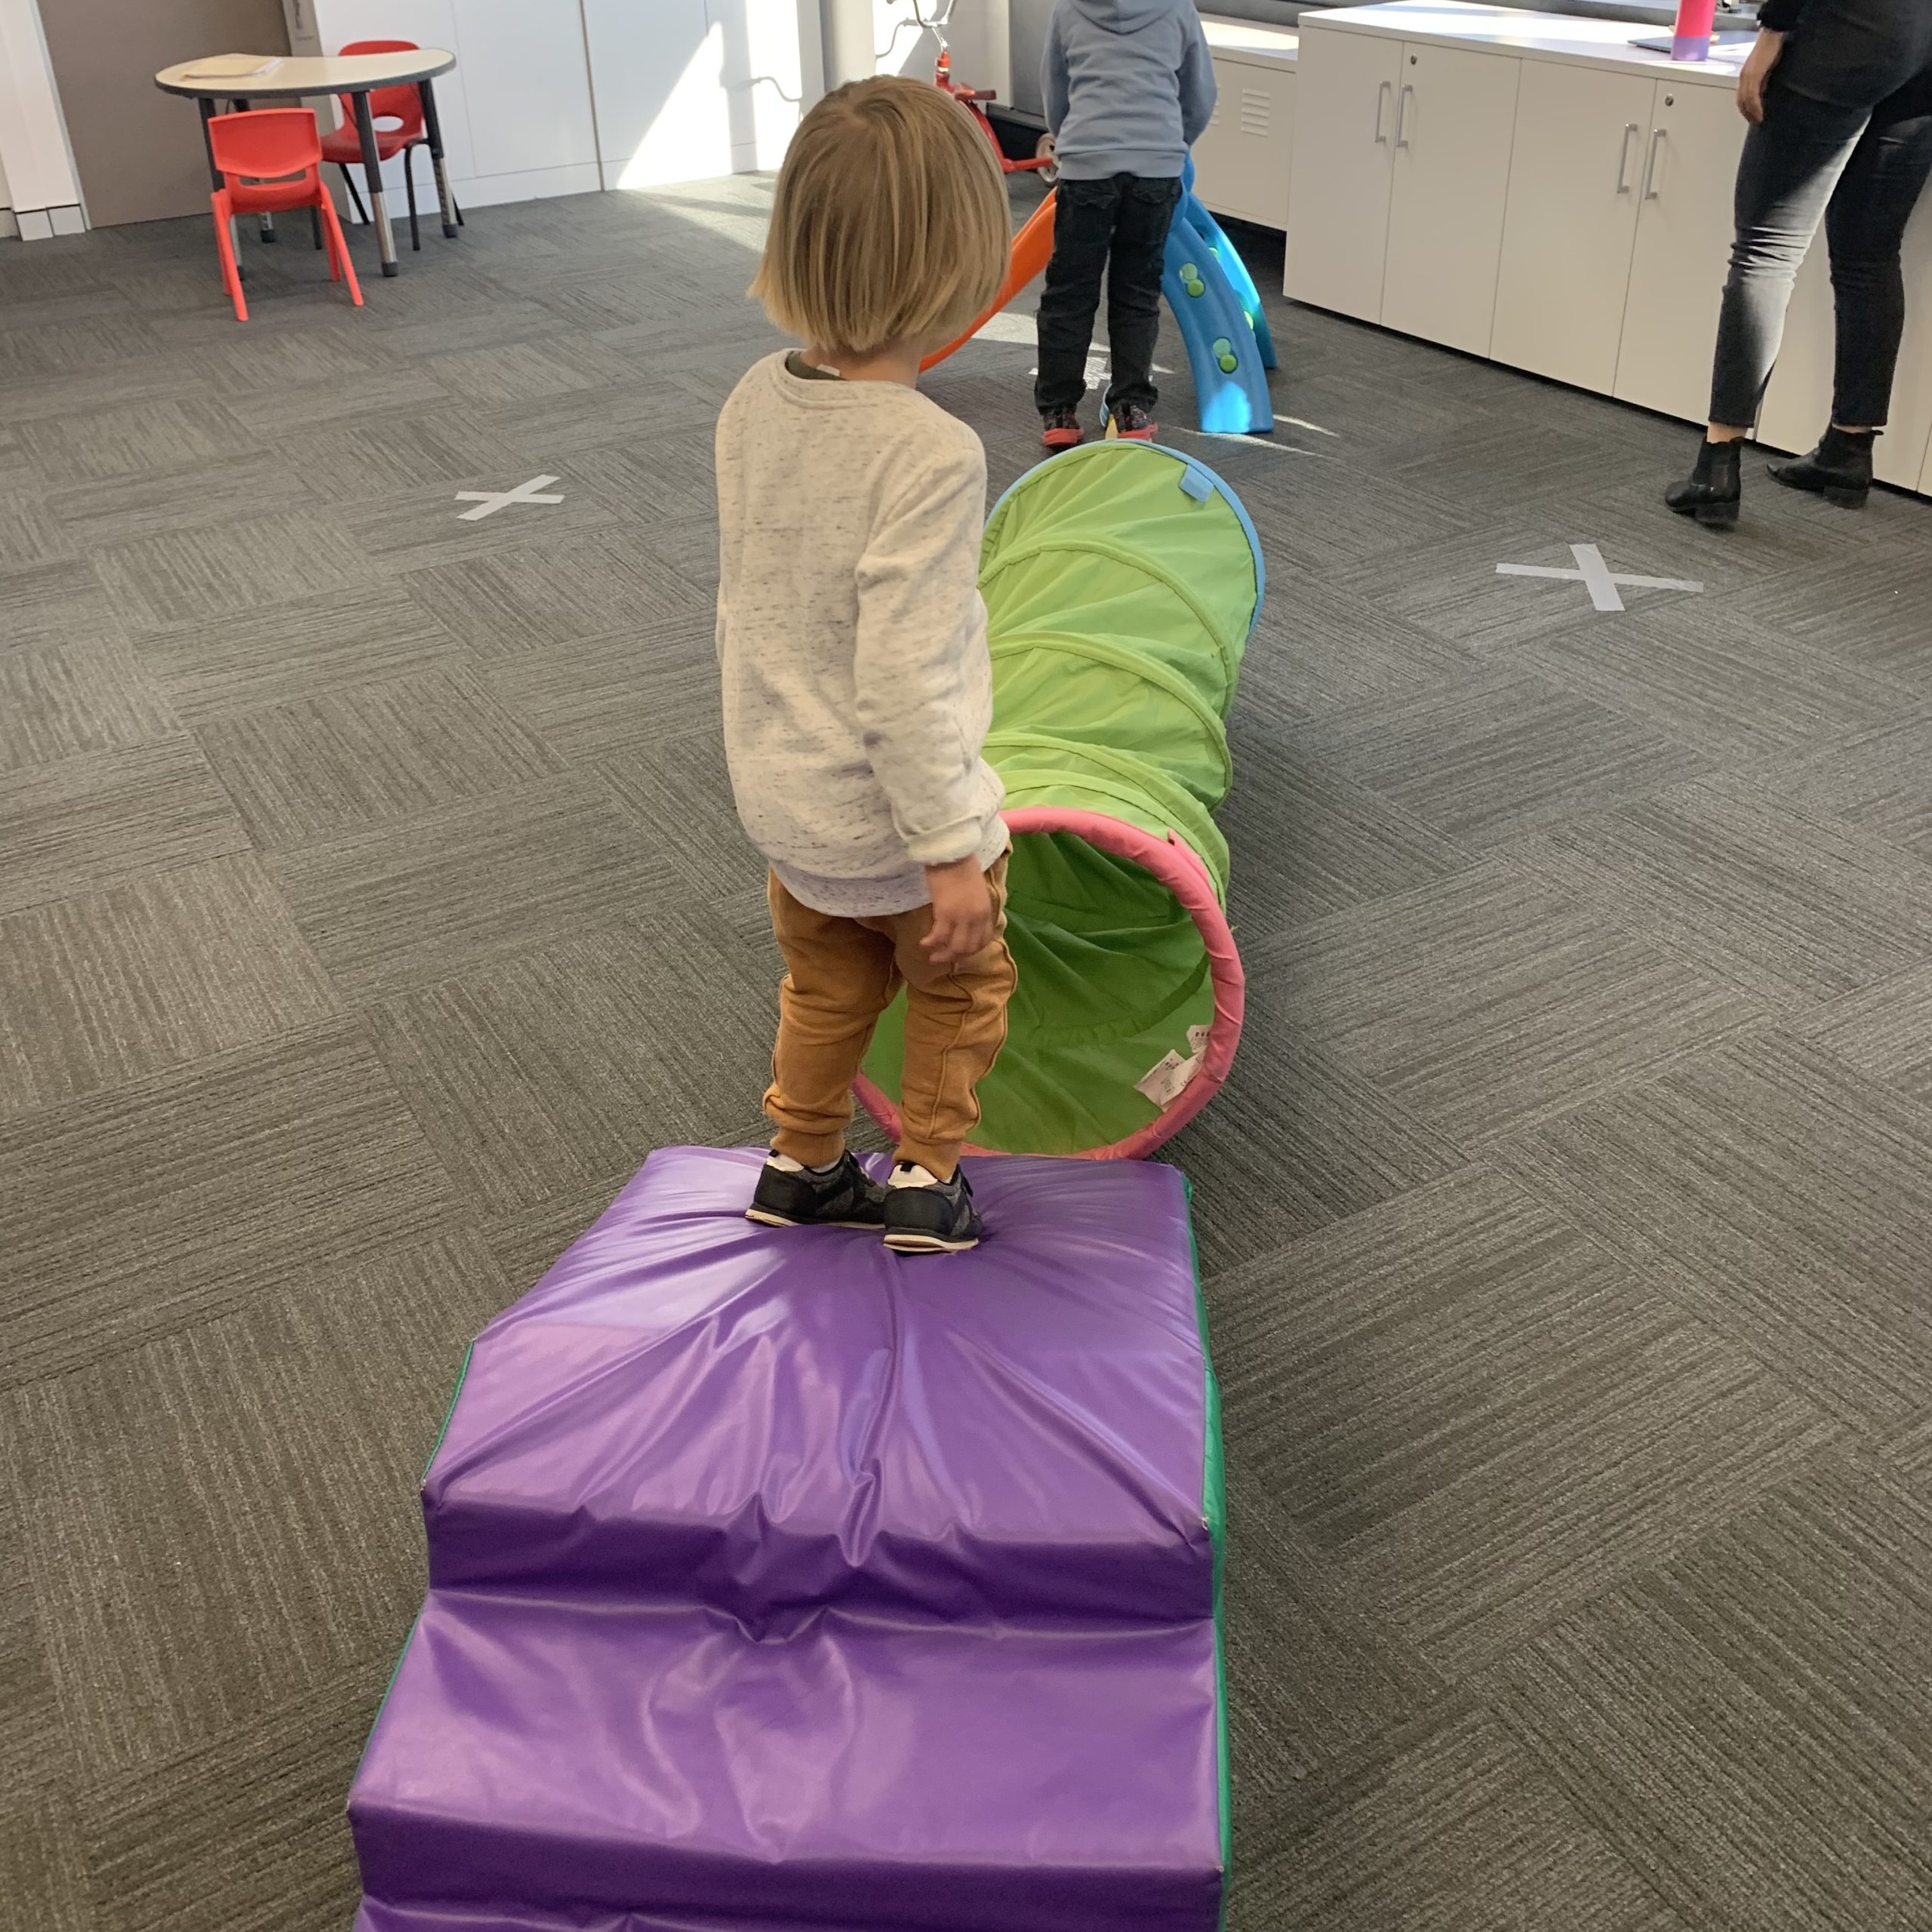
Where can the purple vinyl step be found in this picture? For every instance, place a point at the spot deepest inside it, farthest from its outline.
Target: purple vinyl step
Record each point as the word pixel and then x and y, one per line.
pixel 766 1421
pixel 920 1777
pixel 781 1584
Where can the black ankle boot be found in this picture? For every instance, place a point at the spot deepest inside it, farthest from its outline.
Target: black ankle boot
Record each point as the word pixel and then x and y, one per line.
pixel 1839 469
pixel 1711 492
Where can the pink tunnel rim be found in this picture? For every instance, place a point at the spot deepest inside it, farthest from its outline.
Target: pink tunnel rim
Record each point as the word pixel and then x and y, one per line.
pixel 1176 864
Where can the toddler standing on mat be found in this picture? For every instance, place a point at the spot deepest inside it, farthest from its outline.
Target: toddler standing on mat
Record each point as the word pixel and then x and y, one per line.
pixel 1129 86
pixel 852 643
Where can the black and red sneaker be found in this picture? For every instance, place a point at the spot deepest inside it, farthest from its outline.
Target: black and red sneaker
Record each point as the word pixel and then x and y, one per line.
pixel 1060 430
pixel 1132 424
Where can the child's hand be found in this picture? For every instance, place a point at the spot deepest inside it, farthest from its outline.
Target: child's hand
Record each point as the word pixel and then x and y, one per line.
pixel 962 911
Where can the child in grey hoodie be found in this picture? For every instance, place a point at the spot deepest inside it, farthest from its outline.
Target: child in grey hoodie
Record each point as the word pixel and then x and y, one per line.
pixel 1129 88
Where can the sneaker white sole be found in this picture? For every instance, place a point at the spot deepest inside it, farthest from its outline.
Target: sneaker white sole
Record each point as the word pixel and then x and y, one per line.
pixel 918 1244
pixel 765 1220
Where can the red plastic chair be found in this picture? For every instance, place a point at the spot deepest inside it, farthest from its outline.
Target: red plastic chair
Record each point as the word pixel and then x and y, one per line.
pixel 404 106
pixel 271 161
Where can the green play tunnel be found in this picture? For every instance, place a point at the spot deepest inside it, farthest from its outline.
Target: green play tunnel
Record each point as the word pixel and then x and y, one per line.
pixel 1122 582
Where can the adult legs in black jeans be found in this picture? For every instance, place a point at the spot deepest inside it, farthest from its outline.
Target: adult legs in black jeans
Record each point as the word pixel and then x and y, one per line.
pixel 1863 173
pixel 1117 227
pixel 1869 169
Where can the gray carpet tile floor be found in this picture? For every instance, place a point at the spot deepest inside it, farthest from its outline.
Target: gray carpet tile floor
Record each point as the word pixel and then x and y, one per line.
pixel 371 903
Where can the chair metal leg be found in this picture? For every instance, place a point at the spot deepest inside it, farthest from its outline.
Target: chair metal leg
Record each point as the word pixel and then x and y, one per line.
pixel 409 181
pixel 349 182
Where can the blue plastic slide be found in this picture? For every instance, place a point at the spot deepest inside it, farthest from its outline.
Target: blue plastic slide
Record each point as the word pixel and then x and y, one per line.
pixel 1214 300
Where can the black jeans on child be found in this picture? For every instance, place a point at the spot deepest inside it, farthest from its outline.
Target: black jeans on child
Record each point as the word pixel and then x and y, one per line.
pixel 1863 172
pixel 1118 226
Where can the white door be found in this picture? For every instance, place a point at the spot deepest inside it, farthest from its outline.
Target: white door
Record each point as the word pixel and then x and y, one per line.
pixel 1241 163
pixel 1338 188
pixel 1683 233
pixel 1574 176
pixel 1799 404
pixel 1455 122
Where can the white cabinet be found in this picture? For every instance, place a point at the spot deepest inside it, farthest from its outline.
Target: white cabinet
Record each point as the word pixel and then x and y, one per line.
pixel 1683 235
pixel 1455 111
pixel 1343 162
pixel 1241 162
pixel 1581 139
pixel 1799 404
pixel 1400 177
pixel 1618 231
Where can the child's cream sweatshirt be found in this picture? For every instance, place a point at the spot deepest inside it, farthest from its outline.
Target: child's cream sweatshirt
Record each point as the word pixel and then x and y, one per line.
pixel 851 636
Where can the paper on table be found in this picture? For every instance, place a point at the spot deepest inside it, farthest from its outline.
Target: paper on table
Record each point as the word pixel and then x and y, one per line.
pixel 234 67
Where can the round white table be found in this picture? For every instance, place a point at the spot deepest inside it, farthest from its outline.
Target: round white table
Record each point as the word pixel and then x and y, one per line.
pixel 355 74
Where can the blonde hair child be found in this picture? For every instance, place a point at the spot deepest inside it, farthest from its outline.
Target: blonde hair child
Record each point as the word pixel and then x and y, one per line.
pixel 890 224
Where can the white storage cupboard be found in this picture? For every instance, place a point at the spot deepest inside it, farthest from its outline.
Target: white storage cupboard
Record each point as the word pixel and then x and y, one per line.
pixel 1241 163
pixel 1402 151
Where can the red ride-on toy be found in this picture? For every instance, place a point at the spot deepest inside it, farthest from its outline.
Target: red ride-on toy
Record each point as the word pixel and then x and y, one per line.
pixel 1042 164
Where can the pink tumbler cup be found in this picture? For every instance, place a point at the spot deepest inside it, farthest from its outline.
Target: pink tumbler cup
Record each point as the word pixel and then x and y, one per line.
pixel 1692 40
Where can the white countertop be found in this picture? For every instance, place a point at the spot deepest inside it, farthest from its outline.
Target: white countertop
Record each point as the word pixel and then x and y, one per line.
pixel 1250 40
pixel 1542 36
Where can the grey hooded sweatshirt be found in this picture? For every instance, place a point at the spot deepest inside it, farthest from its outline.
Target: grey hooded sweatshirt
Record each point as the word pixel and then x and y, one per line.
pixel 1128 86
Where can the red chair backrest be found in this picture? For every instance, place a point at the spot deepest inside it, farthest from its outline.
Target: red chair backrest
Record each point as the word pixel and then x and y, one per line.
pixel 403 103
pixel 267 144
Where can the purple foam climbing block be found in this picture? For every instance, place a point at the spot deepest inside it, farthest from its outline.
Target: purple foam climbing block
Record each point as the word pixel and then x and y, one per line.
pixel 780 1582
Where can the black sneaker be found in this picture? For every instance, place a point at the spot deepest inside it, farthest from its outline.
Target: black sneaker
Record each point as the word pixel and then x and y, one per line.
pixel 1133 424
pixel 928 1217
pixel 841 1196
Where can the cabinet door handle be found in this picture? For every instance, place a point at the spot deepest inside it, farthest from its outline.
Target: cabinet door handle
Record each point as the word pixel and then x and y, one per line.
pixel 1651 190
pixel 1402 117
pixel 1623 158
pixel 1382 94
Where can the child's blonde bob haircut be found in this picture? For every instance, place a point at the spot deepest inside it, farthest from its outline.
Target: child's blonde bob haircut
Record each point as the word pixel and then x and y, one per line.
pixel 890 223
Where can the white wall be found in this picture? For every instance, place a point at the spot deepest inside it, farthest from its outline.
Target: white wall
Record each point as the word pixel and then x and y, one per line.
pixel 557 96
pixel 515 109
pixel 42 186
pixel 867 37
pixel 686 89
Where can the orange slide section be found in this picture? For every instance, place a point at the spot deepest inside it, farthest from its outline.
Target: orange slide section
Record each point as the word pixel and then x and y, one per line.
pixel 1032 247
